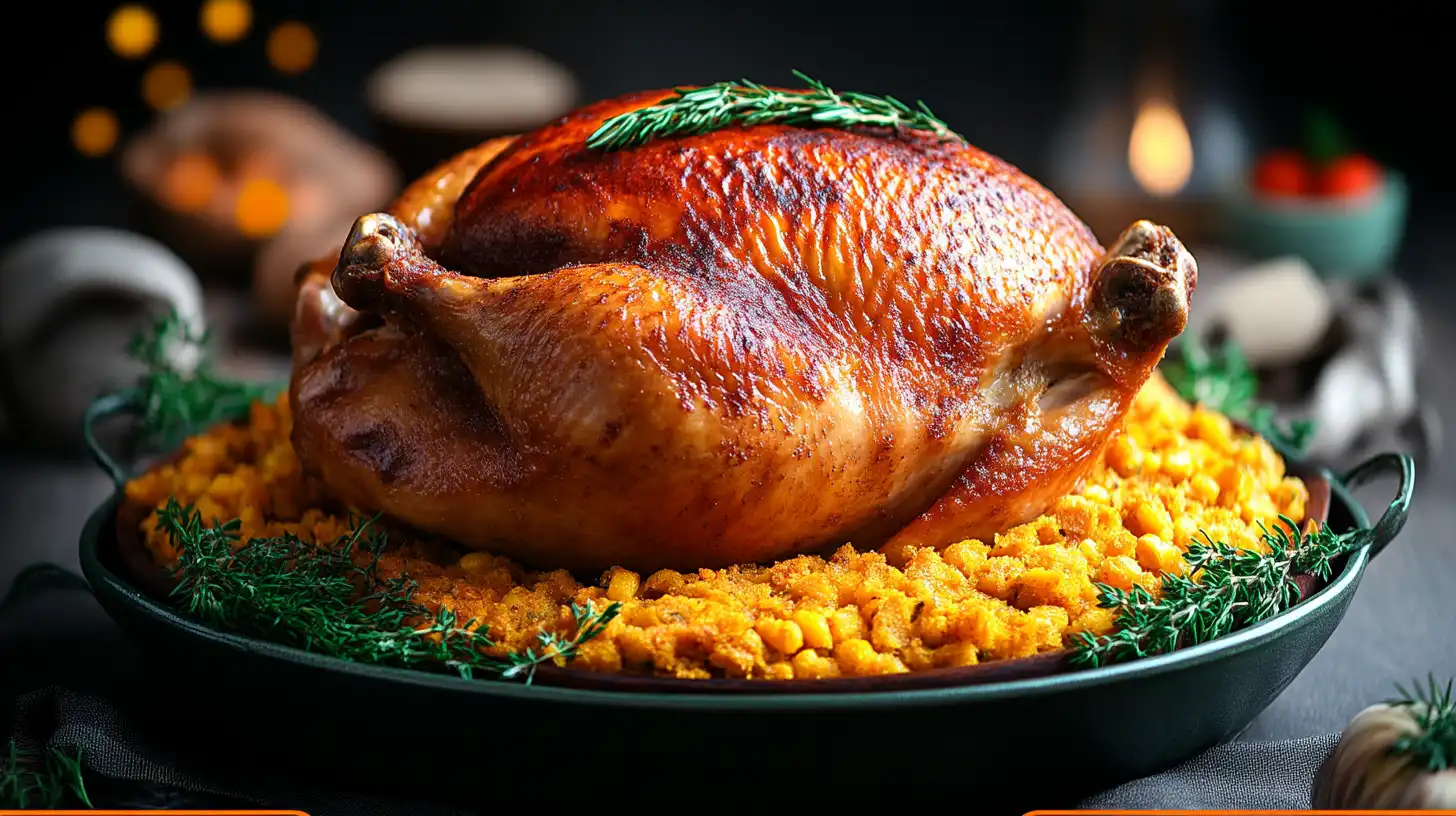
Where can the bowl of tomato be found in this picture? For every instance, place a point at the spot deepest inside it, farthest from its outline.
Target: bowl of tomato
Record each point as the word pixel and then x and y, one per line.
pixel 1344 215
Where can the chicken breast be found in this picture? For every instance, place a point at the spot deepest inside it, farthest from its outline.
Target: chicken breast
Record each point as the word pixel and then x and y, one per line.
pixel 724 348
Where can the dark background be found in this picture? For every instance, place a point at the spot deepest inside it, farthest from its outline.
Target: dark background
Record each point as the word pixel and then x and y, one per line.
pixel 1001 73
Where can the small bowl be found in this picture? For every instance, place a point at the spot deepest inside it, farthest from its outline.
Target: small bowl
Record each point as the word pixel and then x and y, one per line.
pixel 433 102
pixel 1347 238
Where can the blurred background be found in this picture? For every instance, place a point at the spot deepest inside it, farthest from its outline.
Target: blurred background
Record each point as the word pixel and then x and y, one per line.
pixel 192 155
pixel 1004 73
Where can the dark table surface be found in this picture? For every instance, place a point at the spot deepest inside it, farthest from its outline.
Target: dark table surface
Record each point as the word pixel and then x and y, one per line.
pixel 1399 627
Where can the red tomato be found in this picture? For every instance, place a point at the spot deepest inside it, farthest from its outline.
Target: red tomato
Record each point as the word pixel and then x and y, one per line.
pixel 1282 173
pixel 1350 175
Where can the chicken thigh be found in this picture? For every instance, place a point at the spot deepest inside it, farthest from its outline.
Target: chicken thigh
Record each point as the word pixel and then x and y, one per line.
pixel 723 348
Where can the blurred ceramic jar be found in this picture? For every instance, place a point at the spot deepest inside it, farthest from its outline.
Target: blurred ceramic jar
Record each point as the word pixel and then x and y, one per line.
pixel 71 299
pixel 433 102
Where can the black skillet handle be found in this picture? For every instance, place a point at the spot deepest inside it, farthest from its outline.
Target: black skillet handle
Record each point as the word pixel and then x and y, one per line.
pixel 118 404
pixel 1379 536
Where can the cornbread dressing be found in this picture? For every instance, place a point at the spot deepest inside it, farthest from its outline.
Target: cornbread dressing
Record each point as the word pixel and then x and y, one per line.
pixel 1175 472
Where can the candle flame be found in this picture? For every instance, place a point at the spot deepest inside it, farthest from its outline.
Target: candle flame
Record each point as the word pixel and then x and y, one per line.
pixel 1160 152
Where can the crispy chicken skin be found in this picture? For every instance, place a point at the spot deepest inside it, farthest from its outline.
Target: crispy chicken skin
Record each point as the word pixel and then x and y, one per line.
pixel 723 348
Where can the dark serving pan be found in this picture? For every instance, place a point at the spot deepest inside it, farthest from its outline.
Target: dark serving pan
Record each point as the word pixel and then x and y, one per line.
pixel 973 736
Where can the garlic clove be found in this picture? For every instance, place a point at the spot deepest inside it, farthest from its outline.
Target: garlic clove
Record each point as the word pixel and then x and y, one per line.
pixel 1362 773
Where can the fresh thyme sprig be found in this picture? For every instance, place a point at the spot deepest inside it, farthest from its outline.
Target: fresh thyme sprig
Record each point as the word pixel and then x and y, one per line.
pixel 555 648
pixel 180 393
pixel 331 600
pixel 1224 382
pixel 690 112
pixel 31 781
pixel 1224 588
pixel 1434 710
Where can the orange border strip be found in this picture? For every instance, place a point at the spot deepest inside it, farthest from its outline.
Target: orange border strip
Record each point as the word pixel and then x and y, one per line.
pixel 149 812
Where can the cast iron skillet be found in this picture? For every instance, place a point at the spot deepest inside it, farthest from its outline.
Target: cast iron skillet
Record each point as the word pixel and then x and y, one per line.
pixel 944 733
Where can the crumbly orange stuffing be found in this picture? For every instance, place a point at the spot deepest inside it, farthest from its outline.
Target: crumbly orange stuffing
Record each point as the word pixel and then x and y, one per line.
pixel 1174 472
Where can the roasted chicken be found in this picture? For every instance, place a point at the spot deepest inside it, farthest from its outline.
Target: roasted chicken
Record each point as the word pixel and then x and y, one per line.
pixel 722 348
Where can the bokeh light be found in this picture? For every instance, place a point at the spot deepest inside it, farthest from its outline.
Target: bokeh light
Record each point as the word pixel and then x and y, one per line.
pixel 191 182
pixel 166 85
pixel 226 21
pixel 292 47
pixel 131 31
pixel 94 131
pixel 262 207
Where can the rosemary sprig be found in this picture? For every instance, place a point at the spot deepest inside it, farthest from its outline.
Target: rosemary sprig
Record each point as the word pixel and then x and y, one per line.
pixel 690 112
pixel 1434 710
pixel 30 781
pixel 1224 588
pixel 180 392
pixel 322 599
pixel 1223 381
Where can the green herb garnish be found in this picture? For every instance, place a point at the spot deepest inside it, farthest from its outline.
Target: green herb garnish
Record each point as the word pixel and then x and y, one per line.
pixel 180 393
pixel 1434 710
pixel 1324 139
pixel 331 600
pixel 1224 588
pixel 690 112
pixel 31 781
pixel 588 623
pixel 1223 382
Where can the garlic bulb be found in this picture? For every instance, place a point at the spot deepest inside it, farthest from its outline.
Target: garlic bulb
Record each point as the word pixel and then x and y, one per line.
pixel 1394 756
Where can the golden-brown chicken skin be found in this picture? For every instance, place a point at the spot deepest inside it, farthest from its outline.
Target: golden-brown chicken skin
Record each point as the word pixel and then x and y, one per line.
pixel 723 348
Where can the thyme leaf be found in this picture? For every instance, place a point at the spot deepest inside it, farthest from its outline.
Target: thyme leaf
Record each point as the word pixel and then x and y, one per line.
pixel 332 600
pixel 1222 381
pixel 1223 589
pixel 42 782
pixel 1434 710
pixel 180 392
pixel 693 111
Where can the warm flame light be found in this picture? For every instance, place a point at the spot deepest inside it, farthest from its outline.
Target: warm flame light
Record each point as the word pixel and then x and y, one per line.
pixel 1160 153
pixel 292 47
pixel 191 182
pixel 226 21
pixel 262 207
pixel 131 31
pixel 166 85
pixel 94 131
